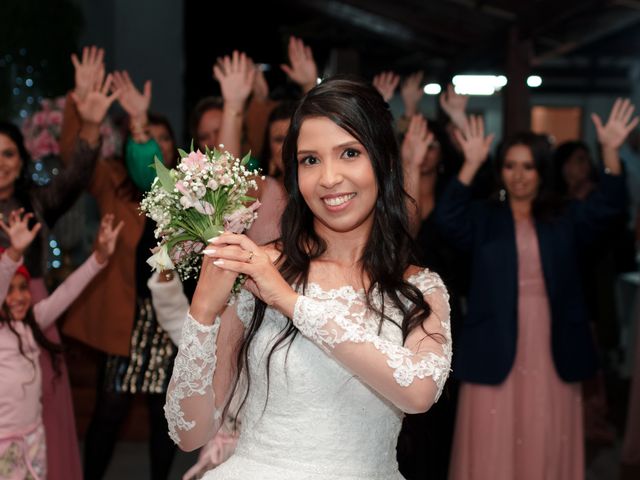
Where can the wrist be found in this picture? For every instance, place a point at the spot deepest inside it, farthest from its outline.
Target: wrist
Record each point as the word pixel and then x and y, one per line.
pixel 14 254
pixel 90 132
pixel 101 257
pixel 286 302
pixel 234 108
pixel 468 172
pixel 611 160
pixel 307 86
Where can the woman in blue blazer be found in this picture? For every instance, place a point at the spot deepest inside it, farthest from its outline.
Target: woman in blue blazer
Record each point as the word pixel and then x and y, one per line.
pixel 525 343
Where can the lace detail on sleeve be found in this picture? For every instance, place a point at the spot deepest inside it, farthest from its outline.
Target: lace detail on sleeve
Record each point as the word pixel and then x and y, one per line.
pixel 246 304
pixel 340 317
pixel 192 373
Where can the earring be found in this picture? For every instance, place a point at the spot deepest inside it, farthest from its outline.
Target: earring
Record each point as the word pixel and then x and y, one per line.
pixel 502 195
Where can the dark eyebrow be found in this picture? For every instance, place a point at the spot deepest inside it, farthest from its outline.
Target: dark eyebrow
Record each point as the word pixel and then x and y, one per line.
pixel 351 143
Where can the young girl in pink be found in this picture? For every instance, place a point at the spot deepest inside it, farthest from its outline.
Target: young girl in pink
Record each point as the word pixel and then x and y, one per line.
pixel 22 439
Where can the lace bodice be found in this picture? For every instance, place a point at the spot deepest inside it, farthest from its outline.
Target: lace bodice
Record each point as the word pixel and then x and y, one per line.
pixel 336 394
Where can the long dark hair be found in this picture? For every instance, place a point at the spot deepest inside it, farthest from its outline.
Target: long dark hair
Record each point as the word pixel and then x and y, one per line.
pixel 360 110
pixel 54 350
pixel 561 155
pixel 23 183
pixel 547 204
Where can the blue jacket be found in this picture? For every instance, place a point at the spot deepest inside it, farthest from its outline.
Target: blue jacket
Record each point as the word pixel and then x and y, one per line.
pixel 486 346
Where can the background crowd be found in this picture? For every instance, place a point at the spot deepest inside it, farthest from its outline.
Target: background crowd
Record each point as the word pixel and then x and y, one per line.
pixel 531 238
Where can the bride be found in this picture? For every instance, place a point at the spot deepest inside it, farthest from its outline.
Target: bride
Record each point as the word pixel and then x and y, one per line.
pixel 335 333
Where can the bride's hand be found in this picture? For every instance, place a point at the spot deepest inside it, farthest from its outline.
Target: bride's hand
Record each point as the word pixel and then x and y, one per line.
pixel 238 253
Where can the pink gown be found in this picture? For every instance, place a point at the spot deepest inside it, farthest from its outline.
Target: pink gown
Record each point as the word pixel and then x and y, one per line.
pixel 530 426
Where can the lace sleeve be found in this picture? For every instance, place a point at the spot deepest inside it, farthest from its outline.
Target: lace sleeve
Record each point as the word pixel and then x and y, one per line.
pixel 192 380
pixel 203 378
pixel 411 375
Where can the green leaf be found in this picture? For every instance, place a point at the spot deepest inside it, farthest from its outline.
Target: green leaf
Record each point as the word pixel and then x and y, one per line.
pixel 192 144
pixel 167 182
pixel 247 198
pixel 246 158
pixel 182 153
pixel 212 231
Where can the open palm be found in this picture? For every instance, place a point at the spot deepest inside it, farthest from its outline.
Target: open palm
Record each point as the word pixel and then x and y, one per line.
pixel 93 108
pixel 132 100
pixel 613 134
pixel 18 231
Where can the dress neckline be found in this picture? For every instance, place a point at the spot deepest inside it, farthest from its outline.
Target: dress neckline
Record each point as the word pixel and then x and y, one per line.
pixel 350 289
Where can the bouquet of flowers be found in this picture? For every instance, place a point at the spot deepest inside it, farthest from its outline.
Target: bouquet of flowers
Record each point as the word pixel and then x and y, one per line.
pixel 42 129
pixel 203 196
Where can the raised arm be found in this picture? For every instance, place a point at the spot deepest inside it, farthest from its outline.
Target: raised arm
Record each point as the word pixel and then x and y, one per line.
pixel 414 149
pixel 302 68
pixel 410 375
pixel 454 105
pixel 59 195
pixel 141 148
pixel 88 70
pixel 412 92
pixel 386 83
pixel 204 369
pixel 20 237
pixel 236 74
pixel 453 210
pixel 49 310
pixel 592 217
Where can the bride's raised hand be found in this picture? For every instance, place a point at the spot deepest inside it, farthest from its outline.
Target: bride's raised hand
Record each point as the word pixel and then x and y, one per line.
pixel 238 253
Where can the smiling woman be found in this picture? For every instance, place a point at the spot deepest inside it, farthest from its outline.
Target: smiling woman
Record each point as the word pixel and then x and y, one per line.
pixel 334 322
pixel 335 176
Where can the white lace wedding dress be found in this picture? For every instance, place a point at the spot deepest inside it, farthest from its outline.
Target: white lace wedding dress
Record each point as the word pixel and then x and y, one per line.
pixel 321 422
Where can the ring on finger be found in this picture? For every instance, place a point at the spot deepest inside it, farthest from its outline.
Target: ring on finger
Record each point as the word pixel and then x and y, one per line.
pixel 250 257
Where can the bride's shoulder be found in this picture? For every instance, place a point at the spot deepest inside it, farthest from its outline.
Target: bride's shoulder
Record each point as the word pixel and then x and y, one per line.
pixel 424 279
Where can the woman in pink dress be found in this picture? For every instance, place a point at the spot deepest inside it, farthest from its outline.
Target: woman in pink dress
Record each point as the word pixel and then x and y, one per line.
pixel 525 344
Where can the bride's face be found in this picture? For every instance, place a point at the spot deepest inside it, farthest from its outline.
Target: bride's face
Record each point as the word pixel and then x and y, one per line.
pixel 335 176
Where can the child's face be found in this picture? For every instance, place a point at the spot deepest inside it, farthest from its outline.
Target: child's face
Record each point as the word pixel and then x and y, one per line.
pixel 19 298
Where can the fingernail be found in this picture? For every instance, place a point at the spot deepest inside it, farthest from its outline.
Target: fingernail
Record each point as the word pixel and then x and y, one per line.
pixel 209 251
pixel 213 239
pixel 218 262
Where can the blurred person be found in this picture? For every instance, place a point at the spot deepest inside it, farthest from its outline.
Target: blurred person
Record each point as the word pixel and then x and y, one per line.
pixel 115 314
pixel 526 344
pixel 23 444
pixel 48 203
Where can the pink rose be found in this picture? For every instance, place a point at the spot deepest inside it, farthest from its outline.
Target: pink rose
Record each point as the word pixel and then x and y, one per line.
pixel 241 219
pixel 195 160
